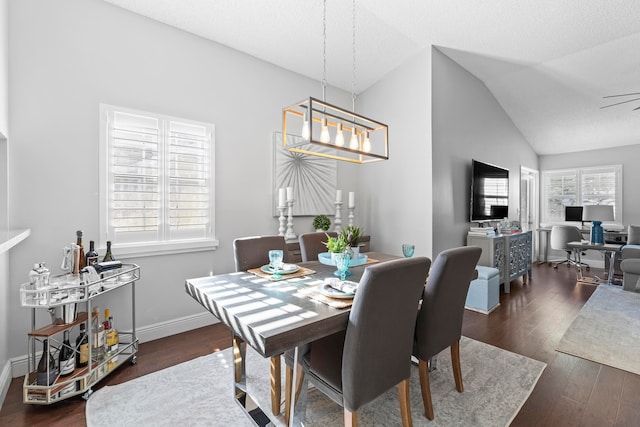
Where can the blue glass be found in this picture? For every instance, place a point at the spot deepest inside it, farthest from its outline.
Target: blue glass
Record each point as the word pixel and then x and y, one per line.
pixel 275 261
pixel 407 250
pixel 342 263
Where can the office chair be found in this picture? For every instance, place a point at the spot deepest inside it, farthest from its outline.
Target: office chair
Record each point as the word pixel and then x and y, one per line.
pixel 560 236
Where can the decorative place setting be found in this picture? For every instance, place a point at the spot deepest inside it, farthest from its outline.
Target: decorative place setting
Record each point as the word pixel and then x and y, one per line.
pixel 277 270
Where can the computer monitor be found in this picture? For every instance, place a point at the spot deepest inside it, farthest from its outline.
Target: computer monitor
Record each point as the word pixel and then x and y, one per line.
pixel 573 213
pixel 597 213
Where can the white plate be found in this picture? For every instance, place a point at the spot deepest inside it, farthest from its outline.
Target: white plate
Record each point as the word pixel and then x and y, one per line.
pixel 329 291
pixel 325 258
pixel 286 269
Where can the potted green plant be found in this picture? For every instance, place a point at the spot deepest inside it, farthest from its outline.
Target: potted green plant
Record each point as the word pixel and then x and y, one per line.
pixel 335 245
pixel 352 235
pixel 321 223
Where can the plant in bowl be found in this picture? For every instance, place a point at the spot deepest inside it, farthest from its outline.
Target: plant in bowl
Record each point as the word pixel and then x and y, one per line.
pixel 321 223
pixel 335 245
pixel 352 235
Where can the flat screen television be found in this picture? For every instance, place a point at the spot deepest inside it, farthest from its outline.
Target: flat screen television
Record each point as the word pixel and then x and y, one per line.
pixel 489 192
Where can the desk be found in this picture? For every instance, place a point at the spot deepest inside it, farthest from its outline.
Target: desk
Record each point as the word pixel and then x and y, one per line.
pixel 271 317
pixel 612 249
pixel 609 237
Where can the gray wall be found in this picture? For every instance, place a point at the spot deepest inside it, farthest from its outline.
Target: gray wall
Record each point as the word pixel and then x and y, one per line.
pixel 4 257
pixel 67 57
pixel 468 123
pixel 626 156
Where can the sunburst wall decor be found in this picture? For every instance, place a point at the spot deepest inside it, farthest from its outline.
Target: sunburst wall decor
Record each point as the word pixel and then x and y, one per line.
pixel 313 179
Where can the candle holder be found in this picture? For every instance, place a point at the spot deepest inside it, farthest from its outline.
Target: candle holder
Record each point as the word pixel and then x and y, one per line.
pixel 283 220
pixel 351 216
pixel 290 234
pixel 337 221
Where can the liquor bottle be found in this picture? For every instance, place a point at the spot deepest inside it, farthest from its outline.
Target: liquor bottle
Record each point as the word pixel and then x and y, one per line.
pixel 66 361
pixel 107 327
pixel 81 259
pixel 46 372
pixel 82 346
pixel 97 334
pixel 108 256
pixel 112 341
pixel 92 256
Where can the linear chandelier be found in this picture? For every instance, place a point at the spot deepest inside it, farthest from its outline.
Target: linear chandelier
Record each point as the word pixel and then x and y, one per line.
pixel 323 126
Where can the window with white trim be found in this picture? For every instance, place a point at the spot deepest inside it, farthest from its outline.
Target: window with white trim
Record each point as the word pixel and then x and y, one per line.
pixel 601 185
pixel 157 181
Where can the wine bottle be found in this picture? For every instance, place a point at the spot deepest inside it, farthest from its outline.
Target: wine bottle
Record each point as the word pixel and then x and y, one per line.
pixel 92 256
pixel 82 346
pixel 66 361
pixel 97 334
pixel 112 340
pixel 81 258
pixel 108 256
pixel 46 372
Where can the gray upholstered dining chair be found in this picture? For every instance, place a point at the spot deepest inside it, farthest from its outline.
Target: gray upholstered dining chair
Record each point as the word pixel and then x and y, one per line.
pixel 352 367
pixel 253 252
pixel 311 244
pixel 560 236
pixel 630 264
pixel 439 323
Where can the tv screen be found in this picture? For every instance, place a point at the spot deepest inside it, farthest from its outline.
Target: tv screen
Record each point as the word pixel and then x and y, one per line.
pixel 489 192
pixel 573 213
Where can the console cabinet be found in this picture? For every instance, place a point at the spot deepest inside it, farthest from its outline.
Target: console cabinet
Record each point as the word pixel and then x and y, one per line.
pixel 509 253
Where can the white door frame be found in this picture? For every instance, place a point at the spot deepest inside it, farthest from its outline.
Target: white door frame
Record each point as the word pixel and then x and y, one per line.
pixel 530 180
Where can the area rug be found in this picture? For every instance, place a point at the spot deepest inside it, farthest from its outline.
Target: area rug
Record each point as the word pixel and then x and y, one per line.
pixel 607 330
pixel 198 393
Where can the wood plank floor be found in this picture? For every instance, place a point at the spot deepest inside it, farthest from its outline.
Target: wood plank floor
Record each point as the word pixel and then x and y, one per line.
pixel 530 321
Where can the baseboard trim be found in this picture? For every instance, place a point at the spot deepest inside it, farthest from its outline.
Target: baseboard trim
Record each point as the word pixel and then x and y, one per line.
pixel 5 381
pixel 19 365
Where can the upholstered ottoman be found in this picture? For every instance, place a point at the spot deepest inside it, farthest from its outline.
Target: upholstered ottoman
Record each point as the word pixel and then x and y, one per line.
pixel 484 292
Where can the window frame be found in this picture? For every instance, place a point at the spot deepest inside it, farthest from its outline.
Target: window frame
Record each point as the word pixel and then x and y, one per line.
pixel 578 173
pixel 155 247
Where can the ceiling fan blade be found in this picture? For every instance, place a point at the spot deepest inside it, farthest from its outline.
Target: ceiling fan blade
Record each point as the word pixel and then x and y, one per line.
pixel 637 108
pixel 624 94
pixel 622 102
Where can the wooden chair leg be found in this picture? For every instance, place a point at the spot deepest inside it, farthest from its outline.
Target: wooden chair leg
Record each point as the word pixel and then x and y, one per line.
pixel 276 385
pixel 423 368
pixel 350 418
pixel 287 387
pixel 455 363
pixel 405 403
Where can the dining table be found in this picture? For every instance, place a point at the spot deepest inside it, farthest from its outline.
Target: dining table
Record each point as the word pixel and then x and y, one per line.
pixel 273 316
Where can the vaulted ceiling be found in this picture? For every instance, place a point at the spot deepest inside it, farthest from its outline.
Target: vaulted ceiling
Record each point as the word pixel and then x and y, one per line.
pixel 549 63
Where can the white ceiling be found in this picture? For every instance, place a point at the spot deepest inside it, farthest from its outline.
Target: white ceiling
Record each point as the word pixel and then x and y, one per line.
pixel 548 62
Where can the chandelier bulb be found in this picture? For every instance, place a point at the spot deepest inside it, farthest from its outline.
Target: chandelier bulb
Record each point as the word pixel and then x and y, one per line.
pixel 324 134
pixel 366 145
pixel 339 136
pixel 305 128
pixel 353 143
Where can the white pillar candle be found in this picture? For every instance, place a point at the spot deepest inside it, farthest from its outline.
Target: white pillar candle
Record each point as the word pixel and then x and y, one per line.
pixel 281 197
pixel 338 195
pixel 352 199
pixel 289 193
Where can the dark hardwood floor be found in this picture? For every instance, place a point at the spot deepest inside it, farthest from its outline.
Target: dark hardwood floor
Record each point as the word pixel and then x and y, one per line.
pixel 530 321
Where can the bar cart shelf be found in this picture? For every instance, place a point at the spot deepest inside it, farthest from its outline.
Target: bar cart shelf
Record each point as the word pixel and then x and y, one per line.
pixel 66 290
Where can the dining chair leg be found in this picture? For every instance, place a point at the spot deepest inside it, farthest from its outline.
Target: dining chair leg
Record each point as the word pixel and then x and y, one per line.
pixel 405 403
pixel 350 418
pixel 288 384
pixel 455 363
pixel 423 368
pixel 276 385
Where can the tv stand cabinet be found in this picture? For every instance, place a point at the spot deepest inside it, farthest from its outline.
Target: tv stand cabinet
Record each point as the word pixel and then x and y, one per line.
pixel 509 253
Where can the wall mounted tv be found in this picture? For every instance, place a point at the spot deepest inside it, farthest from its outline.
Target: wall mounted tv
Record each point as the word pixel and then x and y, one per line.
pixel 489 192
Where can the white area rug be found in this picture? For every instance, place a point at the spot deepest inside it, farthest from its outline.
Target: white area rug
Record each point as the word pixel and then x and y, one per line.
pixel 607 330
pixel 199 393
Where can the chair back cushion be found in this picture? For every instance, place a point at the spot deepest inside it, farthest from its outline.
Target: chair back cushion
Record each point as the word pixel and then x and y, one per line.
pixel 379 337
pixel 311 244
pixel 439 323
pixel 563 234
pixel 253 252
pixel 633 235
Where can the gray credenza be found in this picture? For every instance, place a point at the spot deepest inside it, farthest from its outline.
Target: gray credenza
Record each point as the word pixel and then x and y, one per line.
pixel 509 253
